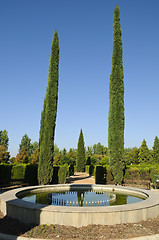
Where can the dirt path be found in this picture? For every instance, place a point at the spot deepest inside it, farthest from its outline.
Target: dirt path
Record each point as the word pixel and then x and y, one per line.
pixel 81 178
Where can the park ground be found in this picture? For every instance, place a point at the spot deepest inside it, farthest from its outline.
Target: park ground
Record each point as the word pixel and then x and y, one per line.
pixel 119 231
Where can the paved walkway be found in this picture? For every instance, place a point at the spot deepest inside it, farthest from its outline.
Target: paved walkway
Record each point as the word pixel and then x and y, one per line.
pixel 81 178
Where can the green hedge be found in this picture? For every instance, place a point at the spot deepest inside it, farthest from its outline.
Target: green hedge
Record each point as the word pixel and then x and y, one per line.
pixel 141 172
pixel 62 173
pixel 31 174
pixel 100 174
pixel 55 174
pixel 71 170
pixel 89 169
pixel 109 176
pixel 5 173
pixel 19 173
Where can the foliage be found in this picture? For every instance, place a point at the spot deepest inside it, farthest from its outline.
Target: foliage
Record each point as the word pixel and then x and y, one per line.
pixel 104 161
pixel 35 145
pixel 22 156
pixel 4 140
pixel 48 117
pixel 26 144
pixel 155 152
pixel 89 169
pixel 4 155
pixel 99 149
pixel 35 156
pixel 71 155
pixel 57 159
pixel 62 173
pixel 55 174
pixel 109 176
pixel 81 153
pixel 116 105
pixel 132 156
pixel 18 172
pixel 99 172
pixel 5 173
pixel 31 173
pixel 144 154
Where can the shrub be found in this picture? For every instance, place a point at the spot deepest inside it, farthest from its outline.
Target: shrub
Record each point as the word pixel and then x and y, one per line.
pixel 109 176
pixel 89 169
pixel 71 170
pixel 62 173
pixel 99 172
pixel 5 173
pixel 55 174
pixel 31 174
pixel 18 172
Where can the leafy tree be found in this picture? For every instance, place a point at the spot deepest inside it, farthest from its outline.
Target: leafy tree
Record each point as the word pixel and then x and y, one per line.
pixel 132 156
pixel 99 149
pixel 35 145
pixel 22 156
pixel 144 154
pixel 56 149
pixel 48 117
pixel 35 156
pixel 81 153
pixel 89 151
pixel 155 151
pixel 4 155
pixel 64 158
pixel 4 140
pixel 104 161
pixel 116 105
pixel 26 143
pixel 57 159
pixel 71 155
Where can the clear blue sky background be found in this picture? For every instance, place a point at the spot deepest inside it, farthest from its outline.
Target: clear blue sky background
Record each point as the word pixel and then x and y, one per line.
pixel 85 29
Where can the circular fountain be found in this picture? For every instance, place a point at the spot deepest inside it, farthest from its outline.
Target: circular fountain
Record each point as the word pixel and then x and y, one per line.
pixel 79 211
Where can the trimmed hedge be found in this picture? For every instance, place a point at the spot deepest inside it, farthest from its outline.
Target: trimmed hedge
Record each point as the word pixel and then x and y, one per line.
pixel 100 174
pixel 89 169
pixel 5 173
pixel 21 173
pixel 109 176
pixel 62 173
pixel 55 175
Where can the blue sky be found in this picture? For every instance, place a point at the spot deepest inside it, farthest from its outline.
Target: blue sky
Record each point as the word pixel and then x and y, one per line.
pixel 85 29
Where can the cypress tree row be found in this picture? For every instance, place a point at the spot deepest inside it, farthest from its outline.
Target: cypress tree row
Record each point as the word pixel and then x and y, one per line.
pixel 48 117
pixel 116 104
pixel 81 153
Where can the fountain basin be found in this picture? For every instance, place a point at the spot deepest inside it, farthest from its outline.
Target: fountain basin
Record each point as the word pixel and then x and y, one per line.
pixel 27 212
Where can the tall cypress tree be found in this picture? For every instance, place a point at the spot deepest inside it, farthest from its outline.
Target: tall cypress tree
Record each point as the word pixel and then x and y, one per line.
pixel 48 117
pixel 155 151
pixel 81 159
pixel 116 104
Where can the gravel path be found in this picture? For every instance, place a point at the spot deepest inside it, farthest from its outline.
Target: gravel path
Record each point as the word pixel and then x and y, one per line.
pixel 81 178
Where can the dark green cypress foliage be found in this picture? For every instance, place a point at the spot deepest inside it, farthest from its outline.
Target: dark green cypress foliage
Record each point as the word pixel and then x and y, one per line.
pixel 155 152
pixel 81 159
pixel 48 117
pixel 116 104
